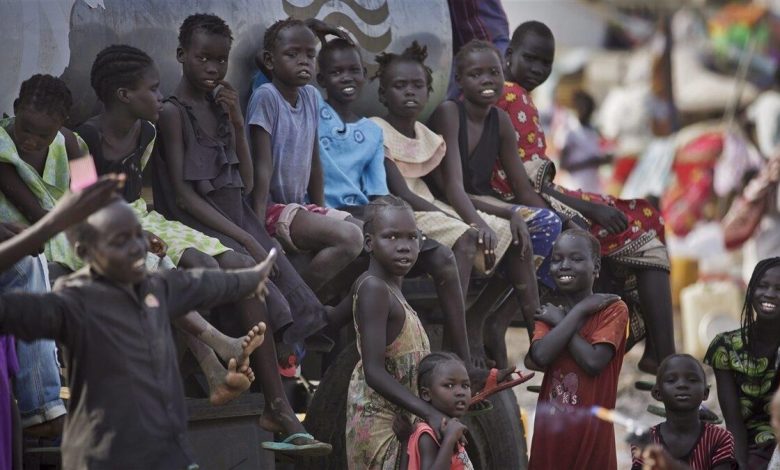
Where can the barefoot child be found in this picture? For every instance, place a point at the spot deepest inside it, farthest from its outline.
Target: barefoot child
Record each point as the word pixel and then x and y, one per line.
pixel 282 128
pixel 691 443
pixel 580 347
pixel 202 177
pixel 127 406
pixel 745 364
pixel 121 140
pixel 444 383
pixel 631 232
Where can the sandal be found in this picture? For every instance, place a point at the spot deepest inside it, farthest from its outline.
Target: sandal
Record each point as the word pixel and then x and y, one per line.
pixel 479 408
pixel 492 386
pixel 286 447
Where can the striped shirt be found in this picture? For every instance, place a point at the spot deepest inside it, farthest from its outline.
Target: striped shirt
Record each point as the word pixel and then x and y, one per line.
pixel 714 447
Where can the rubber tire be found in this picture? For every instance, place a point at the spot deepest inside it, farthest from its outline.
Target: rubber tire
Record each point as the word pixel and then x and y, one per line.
pixel 496 439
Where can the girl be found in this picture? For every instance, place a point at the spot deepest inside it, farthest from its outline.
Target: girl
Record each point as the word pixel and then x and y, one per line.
pixel 121 140
pixel 745 363
pixel 201 179
pixel 477 135
pixel 688 441
pixel 444 383
pixel 631 232
pixel 580 347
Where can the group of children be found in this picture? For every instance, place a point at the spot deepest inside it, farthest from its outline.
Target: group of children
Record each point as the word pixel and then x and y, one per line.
pixel 303 174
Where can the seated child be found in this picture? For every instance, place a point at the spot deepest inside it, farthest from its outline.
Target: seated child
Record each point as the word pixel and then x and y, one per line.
pixel 444 383
pixel 682 386
pixel 477 135
pixel 745 364
pixel 201 178
pixel 121 140
pixel 581 155
pixel 352 155
pixel 580 347
pixel 122 358
pixel 631 232
pixel 282 128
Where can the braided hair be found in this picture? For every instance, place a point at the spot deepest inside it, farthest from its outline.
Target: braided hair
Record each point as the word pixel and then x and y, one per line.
pixel 475 45
pixel 272 33
pixel 415 53
pixel 380 204
pixel 428 366
pixel 748 312
pixel 209 23
pixel 45 93
pixel 117 66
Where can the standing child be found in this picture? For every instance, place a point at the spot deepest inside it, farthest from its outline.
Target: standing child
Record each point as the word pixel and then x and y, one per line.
pixel 580 346
pixel 631 232
pixel 746 367
pixel 282 127
pixel 127 404
pixel 581 154
pixel 691 443
pixel 202 177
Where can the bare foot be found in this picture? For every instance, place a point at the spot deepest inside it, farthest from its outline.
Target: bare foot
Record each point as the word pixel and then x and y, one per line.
pixel 495 337
pixel 648 364
pixel 478 357
pixel 278 417
pixel 240 349
pixel 233 384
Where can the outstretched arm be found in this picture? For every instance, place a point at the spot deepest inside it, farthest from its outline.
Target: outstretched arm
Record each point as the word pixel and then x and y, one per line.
pixel 38 316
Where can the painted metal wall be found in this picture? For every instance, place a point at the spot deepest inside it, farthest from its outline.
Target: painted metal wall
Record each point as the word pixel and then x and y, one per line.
pixel 62 37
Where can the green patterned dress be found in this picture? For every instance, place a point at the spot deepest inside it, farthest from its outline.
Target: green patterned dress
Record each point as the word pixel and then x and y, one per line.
pixel 755 379
pixel 371 443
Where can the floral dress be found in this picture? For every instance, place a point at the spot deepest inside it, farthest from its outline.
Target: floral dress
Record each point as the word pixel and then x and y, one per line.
pixel 371 443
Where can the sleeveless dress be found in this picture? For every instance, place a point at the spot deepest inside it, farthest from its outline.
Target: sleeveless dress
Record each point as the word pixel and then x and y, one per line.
pixel 371 443
pixel 176 235
pixel 211 167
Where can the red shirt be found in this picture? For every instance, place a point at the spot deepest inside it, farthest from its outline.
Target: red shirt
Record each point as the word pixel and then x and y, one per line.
pixel 565 433
pixel 714 447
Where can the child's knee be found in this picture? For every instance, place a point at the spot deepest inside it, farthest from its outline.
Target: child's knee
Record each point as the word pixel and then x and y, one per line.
pixel 351 239
pixel 192 258
pixel 234 260
pixel 441 262
pixel 466 245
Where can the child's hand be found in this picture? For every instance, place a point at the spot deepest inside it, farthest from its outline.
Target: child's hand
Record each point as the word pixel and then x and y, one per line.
pixel 656 457
pixel 487 240
pixel 402 427
pixel 454 430
pixel 437 420
pixel 550 314
pixel 608 217
pixel 597 302
pixel 519 229
pixel 227 96
pixel 156 245
pixel 74 207
pixel 264 268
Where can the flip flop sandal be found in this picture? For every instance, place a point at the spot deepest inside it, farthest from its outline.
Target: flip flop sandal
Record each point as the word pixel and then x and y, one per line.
pixel 286 447
pixel 479 408
pixel 644 385
pixel 492 386
pixel 534 388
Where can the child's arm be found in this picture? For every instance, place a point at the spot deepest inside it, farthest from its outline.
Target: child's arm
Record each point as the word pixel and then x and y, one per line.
pixel 38 316
pixel 546 349
pixel 435 457
pixel 316 187
pixel 607 216
pixel 264 167
pixel 228 98
pixel 592 358
pixel 170 127
pixel 19 194
pixel 371 313
pixel 397 186
pixel 513 166
pixel 728 398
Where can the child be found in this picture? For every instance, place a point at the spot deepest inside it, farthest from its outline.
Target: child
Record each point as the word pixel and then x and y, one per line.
pixel 352 154
pixel 390 338
pixel 282 127
pixel 682 386
pixel 477 135
pixel 580 347
pixel 745 363
pixel 201 179
pixel 631 232
pixel 444 383
pixel 581 153
pixel 127 406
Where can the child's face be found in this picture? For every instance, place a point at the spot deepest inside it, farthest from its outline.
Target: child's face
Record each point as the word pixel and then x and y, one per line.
pixel 405 90
pixel 572 265
pixel 144 99
pixel 34 130
pixel 450 389
pixel 292 60
pixel 205 61
pixel 681 386
pixel 766 297
pixel 394 241
pixel 530 61
pixel 342 75
pixel 480 77
pixel 118 248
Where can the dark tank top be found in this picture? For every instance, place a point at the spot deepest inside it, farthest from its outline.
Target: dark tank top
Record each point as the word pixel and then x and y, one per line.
pixel 478 166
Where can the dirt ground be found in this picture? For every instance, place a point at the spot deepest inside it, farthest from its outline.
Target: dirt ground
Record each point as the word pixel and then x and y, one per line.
pixel 631 402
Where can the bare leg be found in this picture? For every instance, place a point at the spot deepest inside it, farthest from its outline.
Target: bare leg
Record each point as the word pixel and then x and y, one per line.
pixel 464 250
pixel 475 319
pixel 336 243
pixel 656 297
pixel 224 385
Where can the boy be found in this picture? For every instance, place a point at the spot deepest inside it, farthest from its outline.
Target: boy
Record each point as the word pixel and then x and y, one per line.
pixel 127 406
pixel 581 155
pixel 282 127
